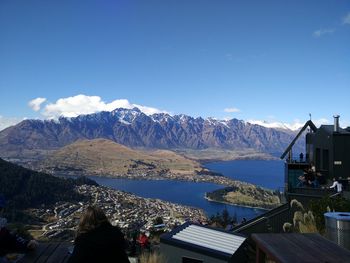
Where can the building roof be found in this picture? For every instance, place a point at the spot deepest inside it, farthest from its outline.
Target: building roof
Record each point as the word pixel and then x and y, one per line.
pixel 204 239
pixel 330 129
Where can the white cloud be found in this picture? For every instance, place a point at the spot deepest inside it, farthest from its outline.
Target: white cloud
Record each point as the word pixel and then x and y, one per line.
pixel 7 122
pixel 295 125
pixel 321 32
pixel 279 125
pixel 346 19
pixel 231 110
pixel 35 104
pixel 83 104
pixel 321 121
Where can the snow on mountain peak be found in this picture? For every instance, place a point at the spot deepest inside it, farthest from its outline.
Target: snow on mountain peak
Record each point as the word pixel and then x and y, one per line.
pixel 277 125
pixel 126 116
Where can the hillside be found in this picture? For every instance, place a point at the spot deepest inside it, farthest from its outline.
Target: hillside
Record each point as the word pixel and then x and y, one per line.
pixel 34 139
pixel 105 157
pixel 247 195
pixel 26 188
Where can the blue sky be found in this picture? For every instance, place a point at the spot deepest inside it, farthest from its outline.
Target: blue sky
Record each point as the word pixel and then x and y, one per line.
pixel 276 61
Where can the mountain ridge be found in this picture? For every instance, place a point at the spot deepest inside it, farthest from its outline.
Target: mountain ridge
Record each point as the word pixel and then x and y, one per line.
pixel 133 128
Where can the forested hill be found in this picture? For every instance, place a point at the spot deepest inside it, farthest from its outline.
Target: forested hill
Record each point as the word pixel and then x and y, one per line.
pixel 24 188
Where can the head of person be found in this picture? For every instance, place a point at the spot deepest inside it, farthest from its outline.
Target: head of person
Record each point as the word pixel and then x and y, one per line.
pixel 91 219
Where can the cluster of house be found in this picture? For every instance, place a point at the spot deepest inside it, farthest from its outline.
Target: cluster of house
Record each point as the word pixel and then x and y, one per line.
pixel 126 210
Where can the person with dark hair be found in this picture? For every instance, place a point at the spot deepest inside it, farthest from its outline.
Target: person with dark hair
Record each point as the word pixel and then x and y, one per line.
pixel 10 242
pixel 97 240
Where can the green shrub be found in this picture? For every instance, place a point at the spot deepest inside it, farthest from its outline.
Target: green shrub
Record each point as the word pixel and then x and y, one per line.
pixel 327 204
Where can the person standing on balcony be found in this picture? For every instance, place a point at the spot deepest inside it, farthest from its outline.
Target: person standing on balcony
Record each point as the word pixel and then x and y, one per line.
pixel 336 185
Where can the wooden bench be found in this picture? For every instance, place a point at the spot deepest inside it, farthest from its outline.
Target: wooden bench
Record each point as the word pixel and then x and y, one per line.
pixel 50 252
pixel 293 247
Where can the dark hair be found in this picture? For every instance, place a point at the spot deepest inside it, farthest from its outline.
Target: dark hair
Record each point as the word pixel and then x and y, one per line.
pixel 91 219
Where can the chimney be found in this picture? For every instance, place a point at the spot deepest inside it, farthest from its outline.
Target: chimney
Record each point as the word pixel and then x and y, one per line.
pixel 336 123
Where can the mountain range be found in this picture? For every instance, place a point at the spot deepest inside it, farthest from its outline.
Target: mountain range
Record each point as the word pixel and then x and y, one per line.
pixel 32 139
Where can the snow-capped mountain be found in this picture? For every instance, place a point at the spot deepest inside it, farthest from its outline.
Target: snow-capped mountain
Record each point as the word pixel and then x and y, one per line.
pixel 133 128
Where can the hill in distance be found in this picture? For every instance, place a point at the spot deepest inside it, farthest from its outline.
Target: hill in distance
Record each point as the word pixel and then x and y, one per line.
pixel 25 188
pixel 107 158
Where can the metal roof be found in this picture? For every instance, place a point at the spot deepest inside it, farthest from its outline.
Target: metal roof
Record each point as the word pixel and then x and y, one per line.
pixel 210 238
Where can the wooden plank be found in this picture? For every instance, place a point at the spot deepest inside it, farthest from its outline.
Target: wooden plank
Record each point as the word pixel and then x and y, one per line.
pixel 318 247
pixel 334 252
pixel 308 246
pixel 33 256
pixel 298 251
pixel 47 253
pixel 280 249
pixel 60 254
pixel 300 248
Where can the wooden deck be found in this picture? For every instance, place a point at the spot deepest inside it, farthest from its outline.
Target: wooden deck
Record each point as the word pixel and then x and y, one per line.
pixel 48 252
pixel 301 248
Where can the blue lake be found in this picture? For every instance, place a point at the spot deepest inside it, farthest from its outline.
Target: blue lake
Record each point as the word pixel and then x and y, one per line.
pixel 186 193
pixel 267 174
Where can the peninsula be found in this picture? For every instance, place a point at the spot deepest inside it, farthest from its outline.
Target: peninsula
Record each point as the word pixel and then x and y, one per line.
pixel 101 157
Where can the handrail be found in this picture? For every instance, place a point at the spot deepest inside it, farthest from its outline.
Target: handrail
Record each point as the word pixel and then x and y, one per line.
pixel 246 225
pixel 266 215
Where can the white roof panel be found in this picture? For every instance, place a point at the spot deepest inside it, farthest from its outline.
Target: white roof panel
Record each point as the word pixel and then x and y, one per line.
pixel 210 238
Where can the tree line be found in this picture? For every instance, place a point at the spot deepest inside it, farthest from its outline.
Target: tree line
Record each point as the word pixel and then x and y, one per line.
pixel 23 188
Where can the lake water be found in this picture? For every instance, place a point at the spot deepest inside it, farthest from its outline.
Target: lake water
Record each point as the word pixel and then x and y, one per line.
pixel 186 193
pixel 267 174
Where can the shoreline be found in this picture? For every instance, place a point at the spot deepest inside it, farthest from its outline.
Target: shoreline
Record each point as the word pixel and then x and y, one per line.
pixel 228 203
pixel 208 176
pixel 244 158
pixel 221 182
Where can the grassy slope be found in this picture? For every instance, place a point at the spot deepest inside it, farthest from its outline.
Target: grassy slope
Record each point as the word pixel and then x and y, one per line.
pixel 101 156
pixel 252 196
